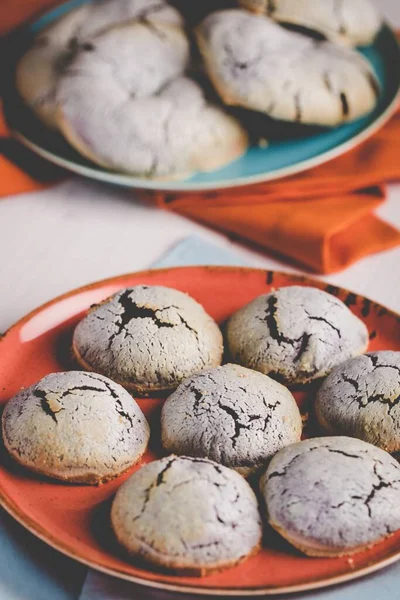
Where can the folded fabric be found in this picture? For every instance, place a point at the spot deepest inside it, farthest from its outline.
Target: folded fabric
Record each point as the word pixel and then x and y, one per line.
pixel 322 219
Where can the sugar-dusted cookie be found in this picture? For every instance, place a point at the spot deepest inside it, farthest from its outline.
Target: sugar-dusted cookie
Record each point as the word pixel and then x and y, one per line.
pixel 148 338
pixel 112 57
pixel 348 22
pixel 40 69
pixel 188 515
pixel 332 496
pixel 232 415
pixel 295 334
pixel 75 426
pixel 108 13
pixel 170 135
pixel 256 64
pixel 361 398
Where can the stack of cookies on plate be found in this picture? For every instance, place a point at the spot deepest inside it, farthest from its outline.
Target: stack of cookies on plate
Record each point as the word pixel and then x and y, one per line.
pixel 164 91
pixel 232 461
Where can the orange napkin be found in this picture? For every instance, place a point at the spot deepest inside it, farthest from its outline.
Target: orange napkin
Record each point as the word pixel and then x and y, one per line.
pixel 323 219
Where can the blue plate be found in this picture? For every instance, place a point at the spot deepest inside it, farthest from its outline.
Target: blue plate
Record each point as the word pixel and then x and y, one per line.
pixel 301 147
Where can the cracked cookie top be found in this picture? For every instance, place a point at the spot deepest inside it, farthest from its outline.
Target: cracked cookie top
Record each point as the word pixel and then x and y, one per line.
pixel 187 514
pixel 41 68
pixel 361 398
pixel 75 426
pixel 256 64
pixel 347 22
pixel 332 496
pixel 295 334
pixel 232 415
pixel 148 338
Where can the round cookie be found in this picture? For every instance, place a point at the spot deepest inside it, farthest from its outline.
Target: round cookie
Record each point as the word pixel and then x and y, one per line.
pixel 361 398
pixel 75 426
pixel 188 515
pixel 256 64
pixel 295 334
pixel 148 338
pixel 332 496
pixel 347 22
pixel 237 417
pixel 169 135
pixel 41 68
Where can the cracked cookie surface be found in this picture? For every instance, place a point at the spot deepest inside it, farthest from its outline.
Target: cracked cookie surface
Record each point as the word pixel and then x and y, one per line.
pixel 40 69
pixel 361 398
pixel 347 22
pixel 148 338
pixel 332 496
pixel 188 515
pixel 256 64
pixel 295 334
pixel 75 426
pixel 232 415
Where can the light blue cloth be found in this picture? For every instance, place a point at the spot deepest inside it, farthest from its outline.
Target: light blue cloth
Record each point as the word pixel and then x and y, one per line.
pixel 30 570
pixel 194 250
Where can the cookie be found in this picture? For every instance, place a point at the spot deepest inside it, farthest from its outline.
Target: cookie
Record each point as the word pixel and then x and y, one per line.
pixel 108 13
pixel 295 334
pixel 148 338
pixel 40 69
pixel 361 398
pixel 332 496
pixel 347 22
pixel 170 135
pixel 74 426
pixel 237 417
pixel 187 515
pixel 256 64
pixel 163 51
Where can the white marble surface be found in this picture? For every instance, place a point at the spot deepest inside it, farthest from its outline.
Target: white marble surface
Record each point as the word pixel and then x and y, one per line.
pixel 78 232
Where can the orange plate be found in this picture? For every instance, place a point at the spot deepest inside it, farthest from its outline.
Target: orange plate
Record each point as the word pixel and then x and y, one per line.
pixel 73 519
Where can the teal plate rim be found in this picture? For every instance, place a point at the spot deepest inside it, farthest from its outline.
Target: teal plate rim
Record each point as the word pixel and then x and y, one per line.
pixel 280 159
